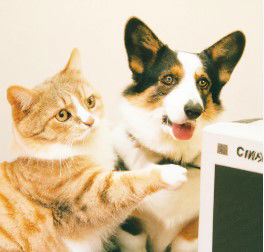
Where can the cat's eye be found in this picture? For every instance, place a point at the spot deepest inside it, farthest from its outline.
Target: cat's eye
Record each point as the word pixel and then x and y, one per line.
pixel 203 83
pixel 168 79
pixel 91 101
pixel 63 115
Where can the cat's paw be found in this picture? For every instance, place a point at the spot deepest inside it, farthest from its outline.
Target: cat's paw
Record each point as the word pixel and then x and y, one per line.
pixel 173 175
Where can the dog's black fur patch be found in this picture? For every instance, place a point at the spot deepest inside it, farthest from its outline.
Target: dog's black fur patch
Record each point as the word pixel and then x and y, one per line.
pixel 120 165
pixel 166 161
pixel 132 225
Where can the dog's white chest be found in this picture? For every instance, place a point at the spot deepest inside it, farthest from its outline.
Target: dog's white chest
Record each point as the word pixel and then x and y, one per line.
pixel 172 207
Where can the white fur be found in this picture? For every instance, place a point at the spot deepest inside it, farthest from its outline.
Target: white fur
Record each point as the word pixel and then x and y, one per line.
pixel 181 245
pixel 91 244
pixel 170 210
pixel 82 113
pixel 124 145
pixel 186 90
pixel 55 151
pixel 173 175
pixel 131 245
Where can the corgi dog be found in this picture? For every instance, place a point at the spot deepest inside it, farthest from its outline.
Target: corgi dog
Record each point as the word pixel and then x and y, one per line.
pixel 173 96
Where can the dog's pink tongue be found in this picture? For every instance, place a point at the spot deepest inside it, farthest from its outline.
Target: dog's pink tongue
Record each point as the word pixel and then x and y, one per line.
pixel 182 131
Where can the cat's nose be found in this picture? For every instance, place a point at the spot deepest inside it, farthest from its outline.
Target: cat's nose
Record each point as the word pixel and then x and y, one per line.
pixel 89 122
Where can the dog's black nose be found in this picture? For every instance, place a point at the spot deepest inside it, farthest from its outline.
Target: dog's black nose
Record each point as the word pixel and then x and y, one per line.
pixel 192 110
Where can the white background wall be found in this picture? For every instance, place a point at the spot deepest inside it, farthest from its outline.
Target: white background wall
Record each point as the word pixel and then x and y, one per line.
pixel 38 36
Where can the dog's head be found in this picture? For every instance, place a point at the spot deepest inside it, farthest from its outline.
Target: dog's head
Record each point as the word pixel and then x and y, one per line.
pixel 184 87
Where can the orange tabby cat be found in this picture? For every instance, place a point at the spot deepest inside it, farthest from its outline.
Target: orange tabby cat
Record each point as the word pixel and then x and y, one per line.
pixel 61 194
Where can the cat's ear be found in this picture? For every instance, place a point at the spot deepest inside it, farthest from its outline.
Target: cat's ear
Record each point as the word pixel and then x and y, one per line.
pixel 20 97
pixel 226 53
pixel 74 63
pixel 141 43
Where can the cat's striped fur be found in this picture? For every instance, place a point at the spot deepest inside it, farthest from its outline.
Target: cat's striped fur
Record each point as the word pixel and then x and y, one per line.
pixel 61 190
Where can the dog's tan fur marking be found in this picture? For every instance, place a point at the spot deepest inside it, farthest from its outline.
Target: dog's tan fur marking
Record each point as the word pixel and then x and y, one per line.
pixel 212 110
pixel 190 231
pixel 177 70
pixel 149 41
pixel 136 65
pixel 201 73
pixel 224 75
pixel 219 49
pixel 145 99
pixel 217 52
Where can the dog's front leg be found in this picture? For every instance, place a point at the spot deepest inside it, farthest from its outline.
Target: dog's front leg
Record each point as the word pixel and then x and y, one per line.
pixel 132 237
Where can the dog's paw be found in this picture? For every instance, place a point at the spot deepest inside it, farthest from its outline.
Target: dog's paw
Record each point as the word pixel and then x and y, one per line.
pixel 173 175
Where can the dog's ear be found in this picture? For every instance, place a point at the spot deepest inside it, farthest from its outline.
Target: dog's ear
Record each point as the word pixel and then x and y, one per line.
pixel 142 45
pixel 226 53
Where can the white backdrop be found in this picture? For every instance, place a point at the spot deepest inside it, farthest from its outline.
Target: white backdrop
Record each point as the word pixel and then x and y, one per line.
pixel 38 36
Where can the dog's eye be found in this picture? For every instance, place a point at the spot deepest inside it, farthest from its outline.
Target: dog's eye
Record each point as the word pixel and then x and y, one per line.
pixel 91 101
pixel 63 115
pixel 203 83
pixel 168 80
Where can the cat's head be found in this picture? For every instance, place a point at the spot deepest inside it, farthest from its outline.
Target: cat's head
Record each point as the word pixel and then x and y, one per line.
pixel 57 117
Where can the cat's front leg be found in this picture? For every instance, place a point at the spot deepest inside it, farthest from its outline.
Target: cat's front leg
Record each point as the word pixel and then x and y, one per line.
pixel 156 177
pixel 109 197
